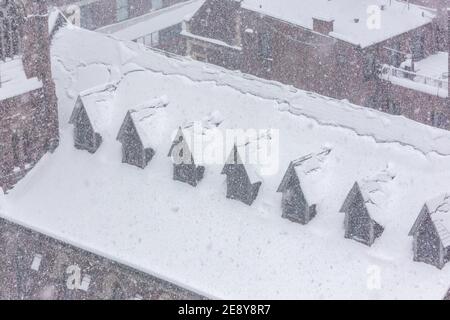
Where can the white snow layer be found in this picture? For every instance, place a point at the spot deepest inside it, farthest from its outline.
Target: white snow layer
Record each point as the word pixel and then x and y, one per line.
pixel 13 80
pixel 361 22
pixel 154 21
pixel 195 236
pixel 434 66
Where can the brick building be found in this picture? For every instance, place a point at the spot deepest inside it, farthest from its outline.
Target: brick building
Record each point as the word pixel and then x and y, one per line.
pixel 158 29
pixel 439 7
pixel 28 104
pixel 334 48
pixel 93 14
pixel 34 266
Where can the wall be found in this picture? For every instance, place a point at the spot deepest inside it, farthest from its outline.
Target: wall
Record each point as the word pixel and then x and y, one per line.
pixel 36 267
pixel 100 13
pixel 33 116
pixel 420 106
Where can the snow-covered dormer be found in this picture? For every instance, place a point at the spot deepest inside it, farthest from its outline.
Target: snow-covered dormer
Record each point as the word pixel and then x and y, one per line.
pixel 140 132
pixel 301 188
pixel 363 208
pixel 243 179
pixel 431 232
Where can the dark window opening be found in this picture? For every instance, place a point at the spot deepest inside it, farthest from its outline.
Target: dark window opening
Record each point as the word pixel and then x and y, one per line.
pixel 15 140
pixel 11 21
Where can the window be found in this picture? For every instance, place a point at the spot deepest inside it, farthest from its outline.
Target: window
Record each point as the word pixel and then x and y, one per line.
pixel 122 10
pixel 341 59
pixel 15 140
pixel 11 21
pixel 27 144
pixel 418 47
pixel 152 40
pixel 200 57
pixel 370 66
pixel 265 50
pixel 265 45
pixel 87 18
pixel 157 4
pixel 395 55
pixel 438 119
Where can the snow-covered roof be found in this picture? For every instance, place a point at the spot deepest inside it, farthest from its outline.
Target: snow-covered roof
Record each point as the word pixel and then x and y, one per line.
pixel 396 18
pixel 55 19
pixel 310 171
pixel 98 106
pixel 198 135
pixel 13 80
pixel 149 119
pixel 439 209
pixel 434 66
pixel 375 193
pixel 141 26
pixel 196 237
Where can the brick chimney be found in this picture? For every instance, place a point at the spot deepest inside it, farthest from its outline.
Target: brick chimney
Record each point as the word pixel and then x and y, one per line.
pixel 322 25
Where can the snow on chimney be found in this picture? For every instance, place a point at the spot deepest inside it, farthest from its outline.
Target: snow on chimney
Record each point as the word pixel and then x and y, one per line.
pixel 323 25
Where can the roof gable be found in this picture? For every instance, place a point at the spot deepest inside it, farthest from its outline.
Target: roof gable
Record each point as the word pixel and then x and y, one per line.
pixel 353 196
pixel 437 212
pixel 439 209
pixel 146 119
pixel 80 114
pixel 127 123
pixel 424 213
pixel 76 110
pixel 304 170
pixel 234 161
pixel 290 175
pixel 180 144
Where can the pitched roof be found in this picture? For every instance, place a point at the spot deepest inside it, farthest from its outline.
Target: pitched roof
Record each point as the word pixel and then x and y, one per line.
pixel 241 154
pixel 307 169
pixel 198 134
pixel 148 119
pixel 97 105
pixel 439 209
pixel 374 194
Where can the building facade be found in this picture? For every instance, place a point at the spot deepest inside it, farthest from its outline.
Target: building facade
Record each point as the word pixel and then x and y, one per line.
pixel 34 266
pixel 93 14
pixel 28 104
pixel 315 56
pixel 159 29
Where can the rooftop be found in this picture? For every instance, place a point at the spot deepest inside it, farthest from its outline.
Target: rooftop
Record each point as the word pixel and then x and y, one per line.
pixel 440 214
pixel 197 238
pixel 376 194
pixel 154 21
pixel 396 18
pixel 434 66
pixel 149 119
pixel 311 170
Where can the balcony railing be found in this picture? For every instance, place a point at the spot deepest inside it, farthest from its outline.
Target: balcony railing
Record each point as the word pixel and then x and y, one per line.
pixel 390 71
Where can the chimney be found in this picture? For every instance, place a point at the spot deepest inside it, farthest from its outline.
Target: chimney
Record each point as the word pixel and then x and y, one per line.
pixel 322 25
